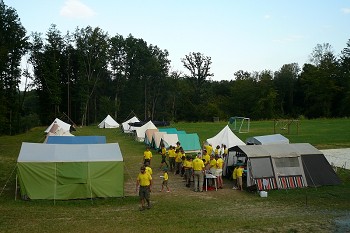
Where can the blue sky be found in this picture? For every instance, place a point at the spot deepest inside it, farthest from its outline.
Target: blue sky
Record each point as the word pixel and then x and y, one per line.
pixel 249 35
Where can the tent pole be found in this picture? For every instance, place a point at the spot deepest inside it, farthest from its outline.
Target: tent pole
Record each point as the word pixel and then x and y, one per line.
pixel 16 189
pixel 90 183
pixel 55 186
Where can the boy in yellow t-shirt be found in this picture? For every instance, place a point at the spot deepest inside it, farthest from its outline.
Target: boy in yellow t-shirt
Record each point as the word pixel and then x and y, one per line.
pixel 143 186
pixel 165 177
pixel 147 156
pixel 234 177
pixel 240 177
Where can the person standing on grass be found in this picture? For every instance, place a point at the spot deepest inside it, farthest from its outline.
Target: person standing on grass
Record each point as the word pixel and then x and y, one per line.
pixel 163 153
pixel 143 186
pixel 188 166
pixel 219 166
pixel 234 177
pixel 165 177
pixel 172 155
pixel 147 156
pixel 178 161
pixel 198 171
pixel 240 177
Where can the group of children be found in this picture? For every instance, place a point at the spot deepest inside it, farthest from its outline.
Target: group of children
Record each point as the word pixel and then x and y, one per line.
pixel 182 164
pixel 212 161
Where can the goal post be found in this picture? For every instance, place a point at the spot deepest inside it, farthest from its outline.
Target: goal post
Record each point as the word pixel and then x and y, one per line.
pixel 240 124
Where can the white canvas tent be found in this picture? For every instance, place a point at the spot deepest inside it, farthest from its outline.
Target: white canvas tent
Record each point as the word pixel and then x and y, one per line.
pixel 141 131
pixel 58 128
pixel 267 140
pixel 126 127
pixel 225 136
pixel 156 138
pixel 108 122
pixel 169 140
pixel 56 125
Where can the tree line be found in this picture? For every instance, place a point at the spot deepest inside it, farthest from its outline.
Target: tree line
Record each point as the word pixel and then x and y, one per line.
pixel 86 74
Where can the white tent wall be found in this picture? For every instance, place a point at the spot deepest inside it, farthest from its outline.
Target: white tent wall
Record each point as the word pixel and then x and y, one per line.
pixel 169 140
pixel 156 138
pixel 108 122
pixel 141 131
pixel 126 127
pixel 61 125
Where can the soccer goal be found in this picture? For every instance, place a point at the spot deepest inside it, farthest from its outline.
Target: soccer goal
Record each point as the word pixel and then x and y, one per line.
pixel 240 124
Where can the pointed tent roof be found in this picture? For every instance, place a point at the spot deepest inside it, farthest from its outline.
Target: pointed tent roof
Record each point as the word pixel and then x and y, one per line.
pixel 126 127
pixel 156 138
pixel 141 131
pixel 57 124
pixel 108 122
pixel 227 137
pixel 149 135
pixel 169 140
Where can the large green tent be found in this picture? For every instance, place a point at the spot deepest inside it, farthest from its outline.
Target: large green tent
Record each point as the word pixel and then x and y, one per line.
pixel 70 171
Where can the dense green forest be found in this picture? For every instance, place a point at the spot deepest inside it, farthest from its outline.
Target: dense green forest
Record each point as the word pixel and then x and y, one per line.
pixel 86 74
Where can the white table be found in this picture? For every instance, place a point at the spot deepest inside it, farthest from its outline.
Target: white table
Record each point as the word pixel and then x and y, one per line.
pixel 210 176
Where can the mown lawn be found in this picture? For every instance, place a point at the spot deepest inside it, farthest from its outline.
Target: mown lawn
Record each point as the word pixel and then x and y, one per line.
pixel 182 210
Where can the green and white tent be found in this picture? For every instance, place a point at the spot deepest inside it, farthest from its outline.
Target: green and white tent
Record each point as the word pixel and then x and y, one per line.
pixel 70 171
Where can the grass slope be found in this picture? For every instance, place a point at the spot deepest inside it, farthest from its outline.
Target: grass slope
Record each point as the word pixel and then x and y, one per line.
pixel 182 210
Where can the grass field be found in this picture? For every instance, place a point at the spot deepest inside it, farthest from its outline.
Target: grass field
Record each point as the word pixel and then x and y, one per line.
pixel 182 210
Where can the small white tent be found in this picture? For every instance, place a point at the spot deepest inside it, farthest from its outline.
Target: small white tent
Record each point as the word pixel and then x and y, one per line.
pixel 56 125
pixel 141 131
pixel 225 136
pixel 126 127
pixel 169 140
pixel 108 122
pixel 156 138
pixel 58 128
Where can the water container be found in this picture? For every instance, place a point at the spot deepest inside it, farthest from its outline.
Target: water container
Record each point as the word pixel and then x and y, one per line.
pixel 263 194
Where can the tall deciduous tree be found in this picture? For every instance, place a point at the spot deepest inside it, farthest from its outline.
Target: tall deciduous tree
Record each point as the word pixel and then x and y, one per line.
pixel 13 45
pixel 48 60
pixel 343 99
pixel 285 81
pixel 91 45
pixel 199 67
pixel 117 60
pixel 319 82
